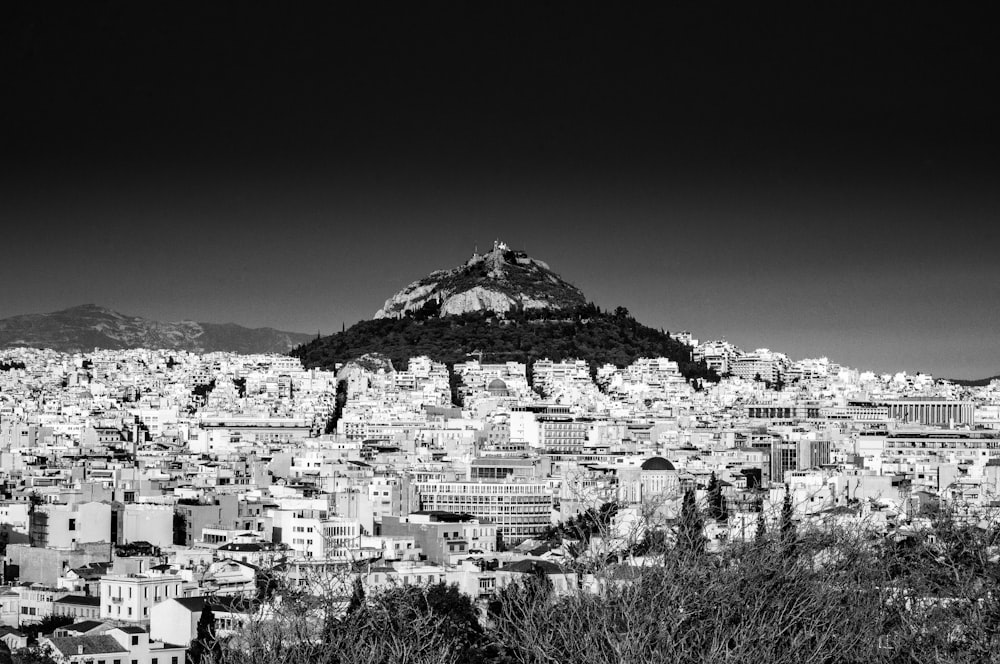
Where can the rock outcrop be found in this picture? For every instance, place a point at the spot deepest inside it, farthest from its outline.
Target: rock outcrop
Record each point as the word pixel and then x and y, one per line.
pixel 500 280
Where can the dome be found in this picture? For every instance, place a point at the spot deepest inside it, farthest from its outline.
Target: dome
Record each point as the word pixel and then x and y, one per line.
pixel 496 384
pixel 657 463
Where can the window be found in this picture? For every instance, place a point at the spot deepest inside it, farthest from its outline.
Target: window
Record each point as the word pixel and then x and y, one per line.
pixel 135 642
pixel 173 660
pixel 72 524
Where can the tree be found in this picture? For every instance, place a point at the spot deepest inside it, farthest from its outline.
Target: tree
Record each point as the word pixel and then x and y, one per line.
pixel 455 386
pixel 32 655
pixel 357 596
pixel 34 500
pixel 46 625
pixel 205 649
pixel 691 526
pixel 180 527
pixel 202 390
pixel 459 613
pixel 787 525
pixel 761 535
pixel 716 501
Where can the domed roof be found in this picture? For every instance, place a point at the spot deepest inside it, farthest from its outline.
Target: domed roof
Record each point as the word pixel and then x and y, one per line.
pixel 657 463
pixel 496 384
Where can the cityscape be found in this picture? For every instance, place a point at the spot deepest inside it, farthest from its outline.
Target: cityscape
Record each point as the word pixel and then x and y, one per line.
pixel 452 333
pixel 148 488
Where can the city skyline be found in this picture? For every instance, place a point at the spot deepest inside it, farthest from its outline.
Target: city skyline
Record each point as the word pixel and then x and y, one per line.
pixel 822 185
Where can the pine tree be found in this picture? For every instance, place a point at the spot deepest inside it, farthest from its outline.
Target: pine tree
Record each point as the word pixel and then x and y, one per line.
pixel 787 525
pixel 716 501
pixel 761 535
pixel 205 649
pixel 357 596
pixel 691 529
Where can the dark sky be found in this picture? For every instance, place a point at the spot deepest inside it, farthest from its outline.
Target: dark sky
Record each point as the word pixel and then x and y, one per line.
pixel 823 183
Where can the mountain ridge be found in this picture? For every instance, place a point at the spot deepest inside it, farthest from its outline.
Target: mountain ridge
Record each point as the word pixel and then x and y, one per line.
pixel 87 326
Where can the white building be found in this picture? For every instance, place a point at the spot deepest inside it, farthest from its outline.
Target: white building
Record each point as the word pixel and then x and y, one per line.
pixel 130 597
pixel 122 645
pixel 519 509
pixel 65 526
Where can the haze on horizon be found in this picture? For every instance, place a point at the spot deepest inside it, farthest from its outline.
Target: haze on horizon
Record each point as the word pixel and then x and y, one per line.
pixel 819 184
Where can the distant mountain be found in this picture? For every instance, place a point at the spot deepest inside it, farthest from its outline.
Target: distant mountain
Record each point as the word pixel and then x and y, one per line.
pixel 501 280
pixel 980 382
pixel 502 306
pixel 90 326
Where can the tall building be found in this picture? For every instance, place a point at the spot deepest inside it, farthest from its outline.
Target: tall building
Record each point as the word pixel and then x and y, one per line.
pixel 520 510
pixel 563 434
pixel 801 454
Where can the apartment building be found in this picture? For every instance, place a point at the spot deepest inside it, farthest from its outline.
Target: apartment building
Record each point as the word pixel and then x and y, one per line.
pixel 520 510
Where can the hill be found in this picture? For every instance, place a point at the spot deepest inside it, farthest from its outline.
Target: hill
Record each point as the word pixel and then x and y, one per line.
pixel 90 326
pixel 584 332
pixel 965 382
pixel 500 280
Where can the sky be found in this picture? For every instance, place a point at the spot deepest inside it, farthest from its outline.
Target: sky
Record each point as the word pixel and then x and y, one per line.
pixel 822 183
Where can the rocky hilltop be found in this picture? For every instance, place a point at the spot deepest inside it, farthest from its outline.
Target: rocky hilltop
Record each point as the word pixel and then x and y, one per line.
pixel 500 280
pixel 91 326
pixel 452 315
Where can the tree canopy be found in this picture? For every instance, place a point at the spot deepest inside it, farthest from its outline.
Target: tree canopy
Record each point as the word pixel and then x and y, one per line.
pixel 585 333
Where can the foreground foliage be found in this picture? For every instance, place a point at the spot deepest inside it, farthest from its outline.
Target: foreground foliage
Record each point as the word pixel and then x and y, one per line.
pixel 828 596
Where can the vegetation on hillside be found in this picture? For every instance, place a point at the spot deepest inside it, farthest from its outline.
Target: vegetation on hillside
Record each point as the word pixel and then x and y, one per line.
pixel 981 382
pixel 585 333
